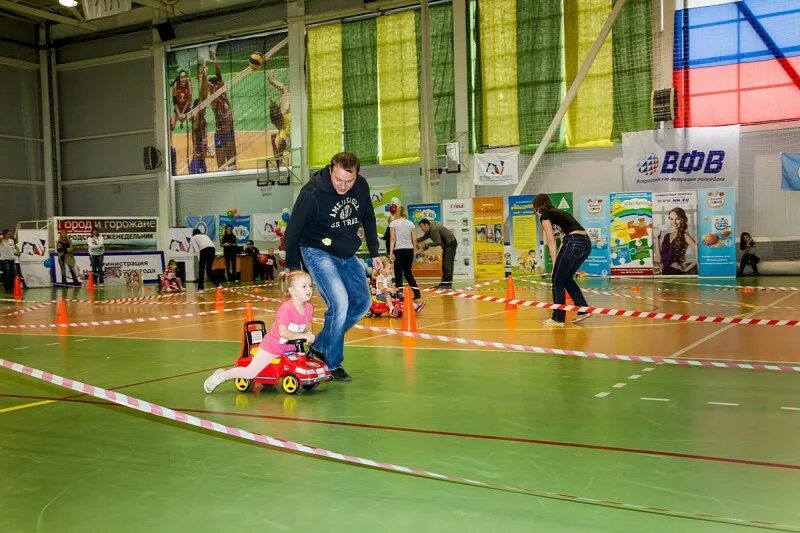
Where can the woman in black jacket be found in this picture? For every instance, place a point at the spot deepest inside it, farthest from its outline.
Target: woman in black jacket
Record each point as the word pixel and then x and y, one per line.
pixel 228 243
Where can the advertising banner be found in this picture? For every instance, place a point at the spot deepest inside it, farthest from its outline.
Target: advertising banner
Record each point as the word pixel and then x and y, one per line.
pixel 496 168
pixel 631 233
pixel 562 201
pixel 119 233
pixel 179 250
pixel 790 172
pixel 427 263
pixel 681 158
pixel 487 219
pixel 117 266
pixel 383 196
pixel 33 255
pixel 675 233
pixel 207 224
pixel 240 225
pixel 522 234
pixel 717 227
pixel 593 214
pixel 267 228
pixel 457 217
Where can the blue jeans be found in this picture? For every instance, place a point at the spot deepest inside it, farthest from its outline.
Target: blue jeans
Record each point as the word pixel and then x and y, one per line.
pixel 574 251
pixel 342 283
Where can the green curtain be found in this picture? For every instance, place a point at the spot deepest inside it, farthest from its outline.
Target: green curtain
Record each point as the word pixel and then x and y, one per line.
pixel 539 71
pixel 324 65
pixel 633 81
pixel 360 88
pixel 444 101
pixel 475 99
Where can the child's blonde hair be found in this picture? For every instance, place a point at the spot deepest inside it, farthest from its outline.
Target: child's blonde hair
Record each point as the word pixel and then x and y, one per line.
pixel 295 275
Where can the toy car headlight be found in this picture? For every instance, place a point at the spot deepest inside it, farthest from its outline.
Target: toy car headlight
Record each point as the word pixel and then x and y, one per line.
pixel 300 370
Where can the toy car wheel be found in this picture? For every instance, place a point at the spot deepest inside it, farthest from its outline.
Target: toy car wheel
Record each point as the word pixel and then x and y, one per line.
pixel 369 313
pixel 310 387
pixel 290 384
pixel 243 385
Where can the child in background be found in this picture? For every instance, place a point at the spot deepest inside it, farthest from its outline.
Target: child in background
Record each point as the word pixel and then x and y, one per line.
pixel 385 290
pixel 254 252
pixel 169 280
pixel 293 321
pixel 269 265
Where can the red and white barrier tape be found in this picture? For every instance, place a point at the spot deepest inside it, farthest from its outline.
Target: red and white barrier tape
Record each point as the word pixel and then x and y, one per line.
pixel 274 442
pixel 700 285
pixel 750 365
pixel 119 321
pixel 28 309
pixel 625 312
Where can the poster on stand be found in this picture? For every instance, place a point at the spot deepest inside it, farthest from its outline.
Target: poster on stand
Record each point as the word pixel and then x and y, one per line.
pixel 33 256
pixel 522 235
pixel 717 229
pixel 240 225
pixel 179 250
pixel 631 233
pixel 457 217
pixel 383 196
pixel 563 202
pixel 117 267
pixel 593 213
pixel 207 224
pixel 119 233
pixel 489 255
pixel 675 233
pixel 427 263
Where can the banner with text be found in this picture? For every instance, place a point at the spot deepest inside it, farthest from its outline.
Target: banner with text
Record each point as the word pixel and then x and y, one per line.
pixel 593 214
pixel 457 217
pixel 119 233
pixel 675 159
pixel 496 168
pixel 631 233
pixel 522 234
pixel 489 243
pixel 675 233
pixel 717 227
pixel 427 263
pixel 118 266
pixel 562 201
pixel 383 197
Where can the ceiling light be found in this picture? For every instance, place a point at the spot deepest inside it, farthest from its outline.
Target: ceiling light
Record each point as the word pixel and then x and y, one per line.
pixel 68 3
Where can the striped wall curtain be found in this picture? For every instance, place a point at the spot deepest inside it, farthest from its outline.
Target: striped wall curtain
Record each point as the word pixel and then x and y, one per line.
pixel 360 83
pixel 325 101
pixel 632 50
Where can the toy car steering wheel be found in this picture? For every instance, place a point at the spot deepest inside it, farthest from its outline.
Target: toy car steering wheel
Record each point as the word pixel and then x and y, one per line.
pixel 299 345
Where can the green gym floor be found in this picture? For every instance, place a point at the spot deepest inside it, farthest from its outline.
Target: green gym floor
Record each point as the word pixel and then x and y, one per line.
pixel 666 448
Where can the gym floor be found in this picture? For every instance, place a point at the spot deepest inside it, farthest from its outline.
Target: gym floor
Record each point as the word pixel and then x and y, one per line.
pixel 593 444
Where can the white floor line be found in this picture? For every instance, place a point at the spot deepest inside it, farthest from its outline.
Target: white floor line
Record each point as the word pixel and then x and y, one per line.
pixel 618 385
pixel 654 399
pixel 22 348
pixel 724 403
pixel 729 326
pixel 81 340
pixel 601 394
pixel 791 408
pixel 648 369
pixel 634 376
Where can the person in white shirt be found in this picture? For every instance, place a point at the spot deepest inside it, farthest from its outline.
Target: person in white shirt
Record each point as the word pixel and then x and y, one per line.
pixel 203 247
pixel 402 249
pixel 7 270
pixel 97 250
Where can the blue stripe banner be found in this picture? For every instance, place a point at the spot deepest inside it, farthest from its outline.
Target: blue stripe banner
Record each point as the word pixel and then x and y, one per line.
pixel 790 172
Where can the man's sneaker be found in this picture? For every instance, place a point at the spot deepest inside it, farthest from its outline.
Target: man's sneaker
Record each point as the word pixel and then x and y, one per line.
pixel 339 374
pixel 553 323
pixel 317 354
pixel 581 318
pixel 418 306
pixel 213 381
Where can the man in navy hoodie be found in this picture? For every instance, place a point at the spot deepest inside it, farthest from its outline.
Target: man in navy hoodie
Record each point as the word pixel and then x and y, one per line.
pixel 323 230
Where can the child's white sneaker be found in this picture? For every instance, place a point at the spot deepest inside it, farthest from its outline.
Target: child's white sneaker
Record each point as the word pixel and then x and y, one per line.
pixel 581 318
pixel 213 381
pixel 553 323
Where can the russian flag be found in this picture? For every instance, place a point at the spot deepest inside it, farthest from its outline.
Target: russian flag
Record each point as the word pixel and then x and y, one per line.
pixel 737 61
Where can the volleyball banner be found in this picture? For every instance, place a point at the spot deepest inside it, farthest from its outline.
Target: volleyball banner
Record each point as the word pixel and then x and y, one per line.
pixel 33 254
pixel 522 235
pixel 119 233
pixel 678 159
pixel 675 233
pixel 631 233
pixel 496 168
pixel 427 263
pixel 266 227
pixel 593 213
pixel 790 172
pixel 457 217
pixel 489 240
pixel 717 227
pixel 207 224
pixel 240 225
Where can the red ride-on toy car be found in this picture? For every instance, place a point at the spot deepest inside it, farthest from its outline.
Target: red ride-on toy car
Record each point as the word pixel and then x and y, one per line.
pixel 291 371
pixel 377 308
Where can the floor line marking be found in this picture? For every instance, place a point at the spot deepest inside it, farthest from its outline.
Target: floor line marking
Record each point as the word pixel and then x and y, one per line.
pixel 618 385
pixel 634 376
pixel 645 398
pixel 22 347
pixel 81 340
pixel 791 408
pixel 648 369
pixel 25 406
pixel 724 403
pixel 601 394
pixel 726 328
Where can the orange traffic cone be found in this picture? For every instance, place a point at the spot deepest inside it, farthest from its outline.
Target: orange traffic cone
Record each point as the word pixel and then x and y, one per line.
pixel 569 301
pixel 61 313
pixel 90 282
pixel 218 298
pixel 510 293
pixel 409 315
pixel 17 288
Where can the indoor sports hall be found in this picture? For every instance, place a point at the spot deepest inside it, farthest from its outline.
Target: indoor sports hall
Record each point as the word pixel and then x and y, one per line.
pixel 656 389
